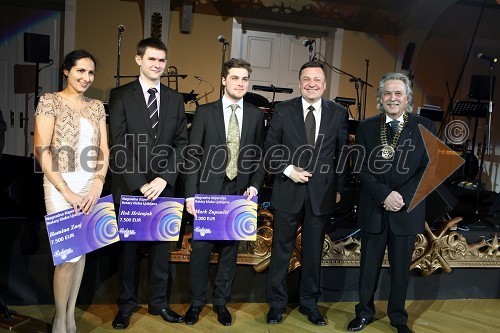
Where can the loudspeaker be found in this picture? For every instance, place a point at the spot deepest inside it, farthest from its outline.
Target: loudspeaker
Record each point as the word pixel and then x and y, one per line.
pixel 439 203
pixel 480 87
pixel 187 16
pixel 36 48
pixel 24 79
pixel 405 64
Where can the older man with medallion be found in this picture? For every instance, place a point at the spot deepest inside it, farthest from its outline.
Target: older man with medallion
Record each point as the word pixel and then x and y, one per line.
pixel 393 164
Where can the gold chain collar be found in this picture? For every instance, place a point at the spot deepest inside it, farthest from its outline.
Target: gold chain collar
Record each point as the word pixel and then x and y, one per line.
pixel 389 150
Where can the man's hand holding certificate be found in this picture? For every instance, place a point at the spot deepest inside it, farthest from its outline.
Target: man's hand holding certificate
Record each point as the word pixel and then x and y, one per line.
pixel 141 219
pixel 225 217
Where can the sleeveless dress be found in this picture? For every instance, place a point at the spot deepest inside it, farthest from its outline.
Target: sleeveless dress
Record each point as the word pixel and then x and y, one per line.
pixel 74 146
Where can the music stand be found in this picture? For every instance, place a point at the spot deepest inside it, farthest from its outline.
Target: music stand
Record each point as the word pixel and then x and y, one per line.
pixel 190 96
pixel 345 102
pixel 470 109
pixel 485 145
pixel 477 110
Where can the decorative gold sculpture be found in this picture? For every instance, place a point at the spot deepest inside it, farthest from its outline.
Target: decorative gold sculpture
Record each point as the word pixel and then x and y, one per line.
pixel 441 250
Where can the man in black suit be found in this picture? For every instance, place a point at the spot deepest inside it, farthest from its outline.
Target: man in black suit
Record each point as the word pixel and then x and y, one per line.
pixel 302 148
pixel 211 170
pixel 394 160
pixel 148 132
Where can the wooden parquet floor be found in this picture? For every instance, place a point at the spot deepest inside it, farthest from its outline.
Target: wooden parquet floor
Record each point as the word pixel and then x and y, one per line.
pixel 453 316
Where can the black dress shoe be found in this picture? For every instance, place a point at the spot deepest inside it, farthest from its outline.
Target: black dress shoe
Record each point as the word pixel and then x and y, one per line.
pixel 358 323
pixel 192 314
pixel 274 316
pixel 168 315
pixel 313 315
pixel 121 321
pixel 223 315
pixel 403 328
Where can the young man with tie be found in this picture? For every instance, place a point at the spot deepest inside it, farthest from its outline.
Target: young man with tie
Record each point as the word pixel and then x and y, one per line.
pixel 223 157
pixel 148 132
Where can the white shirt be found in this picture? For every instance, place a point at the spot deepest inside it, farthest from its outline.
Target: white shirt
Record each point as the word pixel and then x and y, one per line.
pixel 316 114
pixel 401 118
pixel 317 117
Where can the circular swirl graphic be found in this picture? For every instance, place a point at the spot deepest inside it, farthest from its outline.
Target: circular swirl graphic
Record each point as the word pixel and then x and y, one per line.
pixel 169 216
pixel 241 221
pixel 102 229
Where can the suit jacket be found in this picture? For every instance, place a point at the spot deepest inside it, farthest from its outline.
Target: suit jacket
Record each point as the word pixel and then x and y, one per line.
pixel 379 177
pixel 286 144
pixel 3 129
pixel 138 157
pixel 206 157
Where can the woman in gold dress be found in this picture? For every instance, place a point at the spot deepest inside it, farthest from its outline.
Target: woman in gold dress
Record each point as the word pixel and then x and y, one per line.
pixel 71 146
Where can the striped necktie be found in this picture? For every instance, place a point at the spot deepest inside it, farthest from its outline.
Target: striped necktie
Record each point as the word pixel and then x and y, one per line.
pixel 153 109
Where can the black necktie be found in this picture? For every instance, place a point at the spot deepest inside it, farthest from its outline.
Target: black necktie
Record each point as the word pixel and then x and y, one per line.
pixel 310 123
pixel 394 127
pixel 153 109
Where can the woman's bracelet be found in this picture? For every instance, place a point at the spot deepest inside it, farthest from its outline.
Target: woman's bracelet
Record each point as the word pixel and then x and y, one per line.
pixel 100 177
pixel 61 185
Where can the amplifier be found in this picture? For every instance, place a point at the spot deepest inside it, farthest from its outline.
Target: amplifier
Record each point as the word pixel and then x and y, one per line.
pixel 431 113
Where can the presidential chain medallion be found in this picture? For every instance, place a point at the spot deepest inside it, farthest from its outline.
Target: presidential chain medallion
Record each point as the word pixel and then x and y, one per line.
pixel 388 151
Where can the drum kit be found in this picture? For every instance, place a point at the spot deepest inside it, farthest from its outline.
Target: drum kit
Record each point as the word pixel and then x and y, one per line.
pixel 263 103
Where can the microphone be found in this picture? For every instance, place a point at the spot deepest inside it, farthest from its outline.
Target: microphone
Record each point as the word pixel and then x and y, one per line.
pixel 121 28
pixel 485 57
pixel 198 78
pixel 222 40
pixel 308 42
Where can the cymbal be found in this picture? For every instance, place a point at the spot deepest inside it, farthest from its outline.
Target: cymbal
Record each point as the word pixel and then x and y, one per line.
pixel 256 100
pixel 273 89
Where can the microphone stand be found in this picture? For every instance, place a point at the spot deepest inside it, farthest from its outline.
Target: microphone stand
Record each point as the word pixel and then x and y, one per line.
pixel 353 209
pixel 195 101
pixel 224 45
pixel 365 90
pixel 356 87
pixel 485 146
pixel 353 79
pixel 118 58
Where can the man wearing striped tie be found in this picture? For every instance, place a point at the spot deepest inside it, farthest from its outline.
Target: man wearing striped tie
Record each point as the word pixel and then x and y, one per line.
pixel 222 158
pixel 148 132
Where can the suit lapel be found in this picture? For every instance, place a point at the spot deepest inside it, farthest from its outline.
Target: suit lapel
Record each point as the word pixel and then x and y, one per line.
pixel 141 106
pixel 163 110
pixel 407 133
pixel 409 130
pixel 218 114
pixel 327 115
pixel 298 119
pixel 246 123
